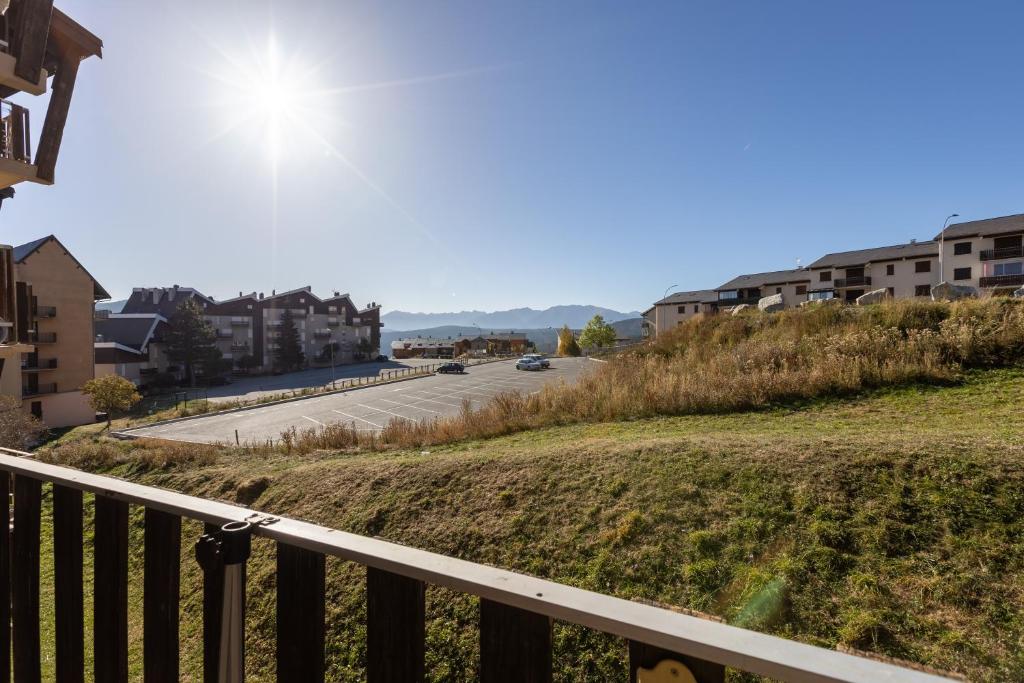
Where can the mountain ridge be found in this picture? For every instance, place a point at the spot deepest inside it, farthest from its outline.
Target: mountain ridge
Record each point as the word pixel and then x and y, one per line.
pixel 573 315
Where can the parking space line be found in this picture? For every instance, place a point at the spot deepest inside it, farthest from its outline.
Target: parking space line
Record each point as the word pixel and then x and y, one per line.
pixel 388 412
pixel 409 405
pixel 306 417
pixel 356 417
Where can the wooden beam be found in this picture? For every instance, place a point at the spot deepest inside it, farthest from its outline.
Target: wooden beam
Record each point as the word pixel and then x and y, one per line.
pixel 395 632
pixel 68 592
pixel 515 645
pixel 110 603
pixel 29 33
pixel 160 596
pixel 25 580
pixel 300 615
pixel 56 117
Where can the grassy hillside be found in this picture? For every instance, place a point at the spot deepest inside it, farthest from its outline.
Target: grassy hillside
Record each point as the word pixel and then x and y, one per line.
pixel 888 521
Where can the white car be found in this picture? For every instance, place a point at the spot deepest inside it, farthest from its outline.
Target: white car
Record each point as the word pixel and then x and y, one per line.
pixel 528 364
pixel 543 360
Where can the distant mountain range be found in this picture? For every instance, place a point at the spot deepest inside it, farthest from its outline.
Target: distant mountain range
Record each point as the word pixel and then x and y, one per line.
pixel 546 338
pixel 517 319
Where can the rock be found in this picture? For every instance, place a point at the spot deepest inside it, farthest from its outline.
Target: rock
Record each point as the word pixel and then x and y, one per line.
pixel 875 296
pixel 736 309
pixel 946 291
pixel 771 304
pixel 1019 293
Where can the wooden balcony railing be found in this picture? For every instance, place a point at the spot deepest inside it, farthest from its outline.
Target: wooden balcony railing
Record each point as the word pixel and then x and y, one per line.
pixel 856 281
pixel 15 137
pixel 1002 281
pixel 1001 253
pixel 516 611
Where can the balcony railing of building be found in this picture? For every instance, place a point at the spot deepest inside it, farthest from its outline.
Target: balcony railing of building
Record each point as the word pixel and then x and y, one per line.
pixel 1002 281
pixel 15 138
pixel 322 334
pixel 46 311
pixel 41 364
pixel 39 389
pixel 739 301
pixel 856 281
pixel 1001 253
pixel 225 334
pixel 36 337
pixel 516 611
pixel 240 321
pixel 240 346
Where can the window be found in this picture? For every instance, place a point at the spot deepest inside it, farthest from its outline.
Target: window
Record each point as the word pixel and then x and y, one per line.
pixel 961 248
pixel 37 409
pixel 891 291
pixel 680 309
pixel 801 289
pixel 696 307
pixel 922 290
pixel 821 295
pixel 961 273
pixel 1009 268
pixel 890 269
pixel 825 276
pixel 778 290
pixel 729 294
pixel 922 266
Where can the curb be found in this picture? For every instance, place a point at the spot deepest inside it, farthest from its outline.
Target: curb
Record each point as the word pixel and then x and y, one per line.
pixel 126 433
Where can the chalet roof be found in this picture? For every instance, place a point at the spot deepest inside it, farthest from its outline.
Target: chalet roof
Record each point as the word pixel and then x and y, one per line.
pixel 989 226
pixel 162 300
pixel 133 331
pixel 23 251
pixel 761 279
pixel 696 296
pixel 858 257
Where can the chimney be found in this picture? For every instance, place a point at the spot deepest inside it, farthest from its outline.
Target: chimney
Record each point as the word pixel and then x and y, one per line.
pixel 239 294
pixel 261 295
pixel 337 293
pixel 913 241
pixel 273 292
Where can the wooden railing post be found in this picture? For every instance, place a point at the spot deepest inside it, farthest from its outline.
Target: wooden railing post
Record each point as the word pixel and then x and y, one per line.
pixel 656 660
pixel 515 645
pixel 25 579
pixel 5 576
pixel 110 601
pixel 68 591
pixel 395 631
pixel 161 593
pixel 300 615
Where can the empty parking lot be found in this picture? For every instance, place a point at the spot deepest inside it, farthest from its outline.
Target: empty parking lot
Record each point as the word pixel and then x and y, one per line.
pixel 370 408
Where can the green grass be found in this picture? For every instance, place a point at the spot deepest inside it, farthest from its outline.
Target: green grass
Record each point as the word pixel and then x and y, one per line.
pixel 890 522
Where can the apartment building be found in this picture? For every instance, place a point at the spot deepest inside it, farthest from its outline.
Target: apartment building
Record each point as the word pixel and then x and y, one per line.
pixel 331 330
pixel 54 301
pixel 677 308
pixel 11 349
pixel 987 254
pixel 131 345
pixel 751 288
pixel 904 270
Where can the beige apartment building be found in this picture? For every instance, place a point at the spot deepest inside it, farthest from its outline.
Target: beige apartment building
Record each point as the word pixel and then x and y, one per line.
pixel 904 270
pixel 55 300
pixel 677 308
pixel 987 254
pixel 751 288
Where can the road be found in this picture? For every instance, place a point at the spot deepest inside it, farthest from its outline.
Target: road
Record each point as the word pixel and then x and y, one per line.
pixel 371 408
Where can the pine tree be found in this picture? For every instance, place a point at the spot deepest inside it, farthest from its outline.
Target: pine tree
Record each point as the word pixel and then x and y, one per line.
pixel 289 355
pixel 191 340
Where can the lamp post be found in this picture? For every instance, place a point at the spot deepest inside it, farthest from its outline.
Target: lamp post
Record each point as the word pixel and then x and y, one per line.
pixel 667 290
pixel 942 245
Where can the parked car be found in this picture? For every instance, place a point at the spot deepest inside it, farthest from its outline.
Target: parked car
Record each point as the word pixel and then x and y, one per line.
pixel 540 358
pixel 448 368
pixel 382 359
pixel 528 364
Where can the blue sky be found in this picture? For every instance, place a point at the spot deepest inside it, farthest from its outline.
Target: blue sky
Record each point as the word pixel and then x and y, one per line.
pixel 523 154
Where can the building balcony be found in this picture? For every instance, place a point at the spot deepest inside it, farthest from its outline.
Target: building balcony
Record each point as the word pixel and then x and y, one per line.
pixel 36 337
pixel 1001 281
pixel 15 146
pixel 240 322
pixel 225 334
pixel 739 301
pixel 46 311
pixel 333 322
pixel 322 334
pixel 40 365
pixel 39 389
pixel 240 346
pixel 8 78
pixel 1001 253
pixel 857 281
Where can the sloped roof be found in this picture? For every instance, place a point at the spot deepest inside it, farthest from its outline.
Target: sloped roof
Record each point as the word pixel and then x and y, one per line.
pixel 895 252
pixel 132 331
pixel 696 296
pixel 141 300
pixel 23 251
pixel 988 226
pixel 761 279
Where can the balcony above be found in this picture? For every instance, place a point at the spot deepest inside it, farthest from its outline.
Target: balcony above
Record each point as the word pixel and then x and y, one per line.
pixel 39 390
pixel 1004 252
pixel 9 79
pixel 860 281
pixel 1002 281
pixel 40 365
pixel 15 146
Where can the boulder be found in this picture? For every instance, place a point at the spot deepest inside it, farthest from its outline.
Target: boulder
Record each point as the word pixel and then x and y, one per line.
pixel 736 309
pixel 771 304
pixel 947 291
pixel 1019 293
pixel 875 296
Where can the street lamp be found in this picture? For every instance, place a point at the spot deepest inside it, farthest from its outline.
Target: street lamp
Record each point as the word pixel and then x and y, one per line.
pixel 942 244
pixel 667 289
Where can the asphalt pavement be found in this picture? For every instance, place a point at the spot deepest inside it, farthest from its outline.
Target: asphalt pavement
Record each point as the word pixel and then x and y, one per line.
pixel 370 408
